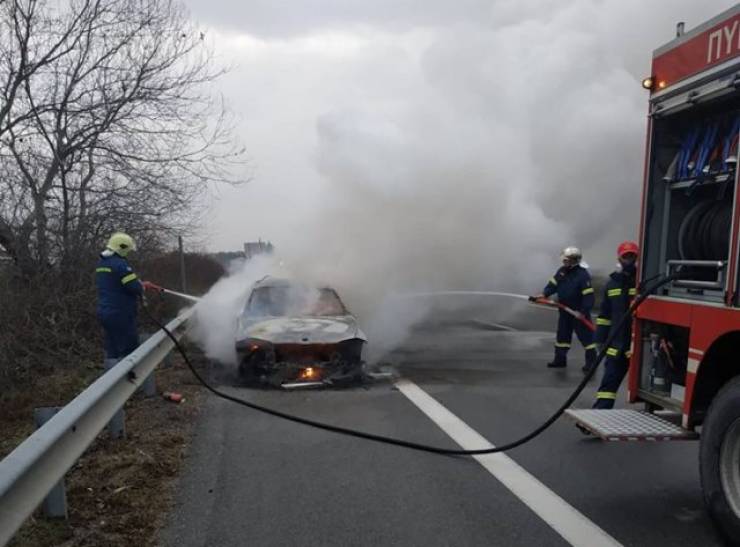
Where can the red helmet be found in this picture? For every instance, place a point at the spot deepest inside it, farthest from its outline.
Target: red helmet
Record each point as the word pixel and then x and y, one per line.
pixel 627 247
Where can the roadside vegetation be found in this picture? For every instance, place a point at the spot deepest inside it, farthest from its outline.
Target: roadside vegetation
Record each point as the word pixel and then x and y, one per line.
pixel 107 123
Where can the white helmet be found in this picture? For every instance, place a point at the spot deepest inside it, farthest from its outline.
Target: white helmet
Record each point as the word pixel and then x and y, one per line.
pixel 571 253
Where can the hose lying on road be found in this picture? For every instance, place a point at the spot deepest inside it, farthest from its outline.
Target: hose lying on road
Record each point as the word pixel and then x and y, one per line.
pixel 643 294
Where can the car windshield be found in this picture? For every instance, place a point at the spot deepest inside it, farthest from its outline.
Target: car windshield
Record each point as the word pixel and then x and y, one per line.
pixel 294 301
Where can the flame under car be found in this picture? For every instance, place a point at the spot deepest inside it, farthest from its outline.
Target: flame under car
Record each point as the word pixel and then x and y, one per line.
pixel 291 335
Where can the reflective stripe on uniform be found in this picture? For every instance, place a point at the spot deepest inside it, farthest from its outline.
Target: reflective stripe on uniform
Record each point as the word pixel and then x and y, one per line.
pixel 612 352
pixel 103 270
pixel 614 292
pixel 606 395
pixel 603 322
pixel 552 281
pixel 632 291
pixel 561 345
pixel 589 290
pixel 590 346
pixel 128 278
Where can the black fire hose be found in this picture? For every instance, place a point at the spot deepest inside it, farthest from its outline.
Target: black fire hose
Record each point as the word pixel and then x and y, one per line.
pixel 418 446
pixel 704 232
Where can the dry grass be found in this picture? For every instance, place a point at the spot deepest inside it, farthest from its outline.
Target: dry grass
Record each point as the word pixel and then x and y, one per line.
pixel 120 490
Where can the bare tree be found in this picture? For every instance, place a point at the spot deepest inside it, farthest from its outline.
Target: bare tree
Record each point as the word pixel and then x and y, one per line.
pixel 106 122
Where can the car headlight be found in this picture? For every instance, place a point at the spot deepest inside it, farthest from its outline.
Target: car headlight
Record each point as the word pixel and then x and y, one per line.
pixel 255 345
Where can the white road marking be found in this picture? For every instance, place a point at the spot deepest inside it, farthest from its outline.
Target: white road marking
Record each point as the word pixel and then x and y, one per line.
pixel 562 517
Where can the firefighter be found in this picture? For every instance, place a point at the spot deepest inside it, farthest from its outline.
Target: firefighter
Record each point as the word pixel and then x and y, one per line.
pixel 619 292
pixel 119 289
pixel 572 283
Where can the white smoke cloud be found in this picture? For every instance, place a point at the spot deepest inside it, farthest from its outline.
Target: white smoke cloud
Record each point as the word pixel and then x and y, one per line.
pixel 454 146
pixel 215 321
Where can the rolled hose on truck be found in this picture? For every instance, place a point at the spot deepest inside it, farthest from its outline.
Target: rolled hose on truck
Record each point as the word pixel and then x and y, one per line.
pixel 642 295
pixel 704 231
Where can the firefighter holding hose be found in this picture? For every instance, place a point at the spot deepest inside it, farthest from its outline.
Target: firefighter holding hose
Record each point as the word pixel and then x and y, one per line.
pixel 572 284
pixel 119 289
pixel 619 292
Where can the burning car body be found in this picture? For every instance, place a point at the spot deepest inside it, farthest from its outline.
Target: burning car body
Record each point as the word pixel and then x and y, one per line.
pixel 292 335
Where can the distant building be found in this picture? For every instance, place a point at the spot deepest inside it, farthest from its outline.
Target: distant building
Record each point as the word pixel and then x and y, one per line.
pixel 254 248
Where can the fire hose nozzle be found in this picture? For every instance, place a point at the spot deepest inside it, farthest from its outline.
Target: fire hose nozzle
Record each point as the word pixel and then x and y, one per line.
pixel 148 285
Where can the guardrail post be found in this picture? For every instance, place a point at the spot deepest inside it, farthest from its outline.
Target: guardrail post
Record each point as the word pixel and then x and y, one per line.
pixel 167 361
pixel 55 502
pixel 148 386
pixel 117 424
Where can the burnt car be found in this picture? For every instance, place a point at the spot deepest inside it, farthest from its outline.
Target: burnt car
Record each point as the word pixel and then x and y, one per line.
pixel 293 335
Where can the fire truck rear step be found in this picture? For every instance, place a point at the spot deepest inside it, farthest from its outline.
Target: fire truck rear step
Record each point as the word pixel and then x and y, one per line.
pixel 628 425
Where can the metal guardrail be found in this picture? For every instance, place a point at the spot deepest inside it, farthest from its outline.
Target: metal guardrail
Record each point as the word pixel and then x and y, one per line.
pixel 29 472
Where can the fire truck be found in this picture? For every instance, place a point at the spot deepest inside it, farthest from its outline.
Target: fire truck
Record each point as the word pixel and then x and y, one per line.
pixel 685 363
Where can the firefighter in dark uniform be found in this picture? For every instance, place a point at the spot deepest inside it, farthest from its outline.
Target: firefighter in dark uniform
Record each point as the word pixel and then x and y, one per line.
pixel 572 283
pixel 119 290
pixel 619 292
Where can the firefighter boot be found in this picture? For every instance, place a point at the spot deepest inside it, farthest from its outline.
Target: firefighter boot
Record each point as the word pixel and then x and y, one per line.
pixel 561 355
pixel 590 360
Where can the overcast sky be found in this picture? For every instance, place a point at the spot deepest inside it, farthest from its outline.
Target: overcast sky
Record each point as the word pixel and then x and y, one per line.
pixel 461 143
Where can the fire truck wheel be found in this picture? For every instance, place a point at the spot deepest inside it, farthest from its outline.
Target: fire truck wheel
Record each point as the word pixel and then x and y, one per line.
pixel 719 460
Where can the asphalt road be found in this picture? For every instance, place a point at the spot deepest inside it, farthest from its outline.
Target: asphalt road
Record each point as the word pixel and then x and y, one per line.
pixel 254 480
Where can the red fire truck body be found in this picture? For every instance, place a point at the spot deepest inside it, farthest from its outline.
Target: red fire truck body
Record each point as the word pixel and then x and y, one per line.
pixel 685 363
pixel 697 69
pixel 695 82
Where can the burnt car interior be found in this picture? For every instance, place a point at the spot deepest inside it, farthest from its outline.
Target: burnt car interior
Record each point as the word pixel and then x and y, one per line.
pixel 294 301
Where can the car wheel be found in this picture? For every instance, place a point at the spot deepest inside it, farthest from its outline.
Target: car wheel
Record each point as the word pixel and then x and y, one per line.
pixel 719 461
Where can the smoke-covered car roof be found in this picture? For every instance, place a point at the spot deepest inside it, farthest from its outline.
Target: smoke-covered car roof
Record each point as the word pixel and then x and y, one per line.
pixel 281 298
pixel 269 281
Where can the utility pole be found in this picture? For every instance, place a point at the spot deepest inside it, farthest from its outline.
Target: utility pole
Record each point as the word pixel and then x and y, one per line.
pixel 183 279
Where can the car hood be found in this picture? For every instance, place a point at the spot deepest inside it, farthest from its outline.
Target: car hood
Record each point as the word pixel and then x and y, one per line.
pixel 302 330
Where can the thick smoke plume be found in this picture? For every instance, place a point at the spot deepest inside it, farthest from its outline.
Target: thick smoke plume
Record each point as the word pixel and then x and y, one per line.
pixel 459 149
pixel 215 325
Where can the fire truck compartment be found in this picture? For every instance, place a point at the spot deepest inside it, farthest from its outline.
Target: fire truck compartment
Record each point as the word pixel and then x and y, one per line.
pixel 690 197
pixel 664 360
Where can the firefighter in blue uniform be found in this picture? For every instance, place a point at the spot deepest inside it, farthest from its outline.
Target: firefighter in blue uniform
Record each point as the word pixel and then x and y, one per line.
pixel 572 283
pixel 119 290
pixel 619 292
